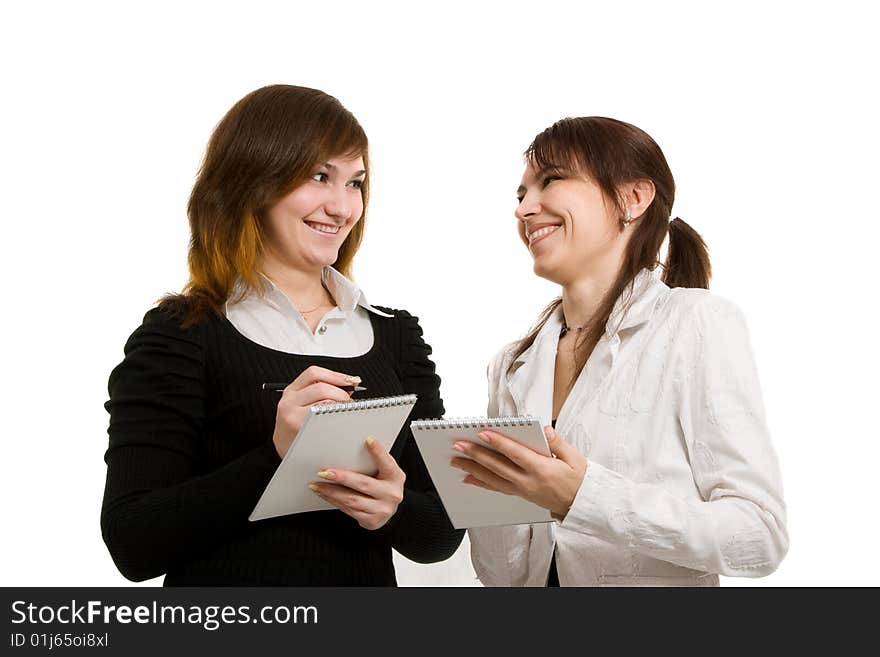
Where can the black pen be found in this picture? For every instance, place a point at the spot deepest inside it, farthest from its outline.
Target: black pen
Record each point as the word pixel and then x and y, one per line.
pixel 279 387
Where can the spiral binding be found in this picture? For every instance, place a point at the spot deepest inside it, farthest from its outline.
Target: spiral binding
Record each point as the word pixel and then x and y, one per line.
pixel 363 404
pixel 476 422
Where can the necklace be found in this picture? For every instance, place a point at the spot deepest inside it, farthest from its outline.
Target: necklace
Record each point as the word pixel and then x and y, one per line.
pixel 566 328
pixel 320 305
pixel 306 312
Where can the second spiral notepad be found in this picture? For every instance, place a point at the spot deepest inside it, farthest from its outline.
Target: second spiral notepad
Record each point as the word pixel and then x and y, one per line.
pixel 467 505
pixel 331 436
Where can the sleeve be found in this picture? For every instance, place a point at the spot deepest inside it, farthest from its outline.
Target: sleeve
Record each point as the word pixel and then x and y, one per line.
pixel 737 528
pixel 499 554
pixel 420 530
pixel 159 509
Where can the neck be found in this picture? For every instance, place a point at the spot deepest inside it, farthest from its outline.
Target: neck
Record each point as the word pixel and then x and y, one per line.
pixel 304 288
pixel 581 297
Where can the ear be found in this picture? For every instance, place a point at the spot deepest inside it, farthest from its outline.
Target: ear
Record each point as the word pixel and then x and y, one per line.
pixel 637 196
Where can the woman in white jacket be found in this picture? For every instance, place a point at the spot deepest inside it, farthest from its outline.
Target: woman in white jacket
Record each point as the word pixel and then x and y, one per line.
pixel 664 473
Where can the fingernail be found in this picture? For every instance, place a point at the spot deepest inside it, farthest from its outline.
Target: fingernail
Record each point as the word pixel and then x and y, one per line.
pixel 313 488
pixel 484 437
pixel 353 379
pixel 370 441
pixel 458 447
pixel 327 474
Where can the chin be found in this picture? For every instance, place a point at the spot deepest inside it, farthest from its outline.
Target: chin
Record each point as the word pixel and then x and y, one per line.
pixel 545 270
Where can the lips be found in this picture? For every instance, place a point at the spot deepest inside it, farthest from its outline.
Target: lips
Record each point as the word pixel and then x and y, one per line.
pixel 324 229
pixel 540 231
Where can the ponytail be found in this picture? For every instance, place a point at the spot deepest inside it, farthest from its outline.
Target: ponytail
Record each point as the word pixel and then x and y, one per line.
pixel 687 258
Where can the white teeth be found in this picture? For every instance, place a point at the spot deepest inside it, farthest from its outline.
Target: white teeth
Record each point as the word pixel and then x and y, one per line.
pixel 323 228
pixel 546 230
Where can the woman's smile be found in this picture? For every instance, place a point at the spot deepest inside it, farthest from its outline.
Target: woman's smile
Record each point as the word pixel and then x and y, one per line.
pixel 540 232
pixel 327 230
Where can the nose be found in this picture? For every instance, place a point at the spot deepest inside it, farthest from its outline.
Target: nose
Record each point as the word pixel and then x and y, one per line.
pixel 338 204
pixel 528 207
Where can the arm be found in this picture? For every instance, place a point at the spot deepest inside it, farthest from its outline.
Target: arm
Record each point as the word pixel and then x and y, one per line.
pixel 420 530
pixel 157 510
pixel 738 528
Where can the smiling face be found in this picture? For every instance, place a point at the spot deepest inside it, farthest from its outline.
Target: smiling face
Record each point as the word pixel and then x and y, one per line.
pixel 305 228
pixel 568 225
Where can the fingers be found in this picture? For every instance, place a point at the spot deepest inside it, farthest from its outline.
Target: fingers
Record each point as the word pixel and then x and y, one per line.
pixel 385 463
pixel 495 462
pixel 319 392
pixel 315 374
pixel 387 489
pixel 559 448
pixel 344 497
pixel 473 481
pixel 523 456
pixel 481 474
pixel 370 512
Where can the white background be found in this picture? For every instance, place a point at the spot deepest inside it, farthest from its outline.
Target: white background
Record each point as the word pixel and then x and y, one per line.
pixel 766 113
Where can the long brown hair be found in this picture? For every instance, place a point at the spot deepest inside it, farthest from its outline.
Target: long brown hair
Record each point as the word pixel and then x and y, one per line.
pixel 613 153
pixel 264 147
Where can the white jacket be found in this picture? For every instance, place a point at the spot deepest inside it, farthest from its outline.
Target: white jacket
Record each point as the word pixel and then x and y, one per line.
pixel 682 483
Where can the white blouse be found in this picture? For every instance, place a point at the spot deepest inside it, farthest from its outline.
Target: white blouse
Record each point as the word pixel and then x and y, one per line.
pixel 682 482
pixel 273 321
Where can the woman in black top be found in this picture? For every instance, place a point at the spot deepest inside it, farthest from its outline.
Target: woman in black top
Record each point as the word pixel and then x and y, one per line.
pixel 193 438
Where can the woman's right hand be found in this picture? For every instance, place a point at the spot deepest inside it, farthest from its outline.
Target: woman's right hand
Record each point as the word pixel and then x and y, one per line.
pixel 314 385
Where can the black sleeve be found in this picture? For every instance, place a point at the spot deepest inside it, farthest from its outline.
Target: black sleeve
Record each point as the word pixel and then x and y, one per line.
pixel 420 530
pixel 157 510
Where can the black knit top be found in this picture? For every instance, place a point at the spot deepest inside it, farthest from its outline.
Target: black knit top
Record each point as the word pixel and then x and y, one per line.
pixel 191 451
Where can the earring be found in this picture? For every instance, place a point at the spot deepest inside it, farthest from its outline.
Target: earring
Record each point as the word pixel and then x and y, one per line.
pixel 627 218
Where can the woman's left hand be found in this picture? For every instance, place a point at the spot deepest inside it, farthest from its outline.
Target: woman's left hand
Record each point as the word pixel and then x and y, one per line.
pixel 369 500
pixel 515 469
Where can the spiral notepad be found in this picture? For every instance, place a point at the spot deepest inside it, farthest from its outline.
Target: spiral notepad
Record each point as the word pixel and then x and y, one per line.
pixel 331 436
pixel 467 505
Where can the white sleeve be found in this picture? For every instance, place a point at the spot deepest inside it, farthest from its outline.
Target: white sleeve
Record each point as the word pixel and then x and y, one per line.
pixel 499 554
pixel 738 527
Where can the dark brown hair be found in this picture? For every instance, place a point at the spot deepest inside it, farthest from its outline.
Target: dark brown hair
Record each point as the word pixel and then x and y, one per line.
pixel 263 148
pixel 613 153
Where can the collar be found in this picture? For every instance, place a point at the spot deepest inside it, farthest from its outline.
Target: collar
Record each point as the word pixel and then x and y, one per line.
pixel 633 307
pixel 637 302
pixel 531 381
pixel 346 294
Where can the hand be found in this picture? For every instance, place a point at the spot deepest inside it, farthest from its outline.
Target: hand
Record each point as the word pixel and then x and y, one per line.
pixel 515 469
pixel 369 500
pixel 313 386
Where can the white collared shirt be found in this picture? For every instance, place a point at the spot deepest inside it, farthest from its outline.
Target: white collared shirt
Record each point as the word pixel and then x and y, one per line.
pixel 273 321
pixel 682 482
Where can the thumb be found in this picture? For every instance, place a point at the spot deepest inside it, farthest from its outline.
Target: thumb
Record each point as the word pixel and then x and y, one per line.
pixel 561 449
pixel 385 464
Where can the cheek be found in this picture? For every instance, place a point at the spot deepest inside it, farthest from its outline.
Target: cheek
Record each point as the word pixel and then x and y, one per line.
pixel 357 207
pixel 300 203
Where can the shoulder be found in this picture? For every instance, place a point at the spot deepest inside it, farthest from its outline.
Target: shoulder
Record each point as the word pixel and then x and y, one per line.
pixel 404 330
pixel 168 325
pixel 709 324
pixel 404 320
pixel 159 353
pixel 696 306
pixel 500 361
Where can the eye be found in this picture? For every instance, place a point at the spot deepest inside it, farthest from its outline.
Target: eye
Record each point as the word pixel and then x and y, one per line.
pixel 320 177
pixel 519 198
pixel 550 179
pixel 357 184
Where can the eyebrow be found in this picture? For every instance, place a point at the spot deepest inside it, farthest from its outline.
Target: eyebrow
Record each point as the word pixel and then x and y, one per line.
pixel 354 175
